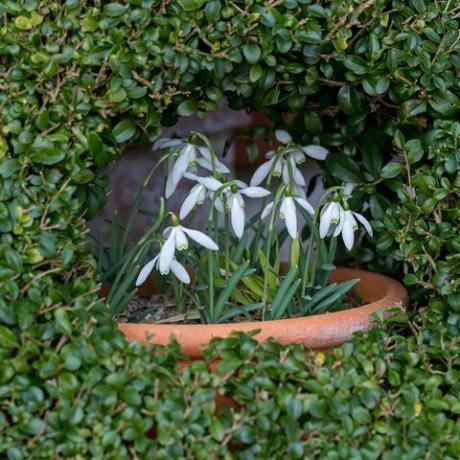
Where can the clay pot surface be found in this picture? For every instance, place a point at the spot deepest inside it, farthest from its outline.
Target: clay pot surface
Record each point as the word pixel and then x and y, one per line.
pixel 317 332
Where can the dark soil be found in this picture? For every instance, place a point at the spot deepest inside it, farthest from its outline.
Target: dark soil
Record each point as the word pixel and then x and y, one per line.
pixel 160 309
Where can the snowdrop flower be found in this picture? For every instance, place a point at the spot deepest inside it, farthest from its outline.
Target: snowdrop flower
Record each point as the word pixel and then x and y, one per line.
pixel 288 212
pixel 176 267
pixel 234 199
pixel 176 239
pixel 188 154
pixel 331 216
pixel 196 196
pixel 286 164
pixel 235 203
pixel 348 225
pixel 338 220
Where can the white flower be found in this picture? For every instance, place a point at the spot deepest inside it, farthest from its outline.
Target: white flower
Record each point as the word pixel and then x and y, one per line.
pixel 288 212
pixel 348 225
pixel 235 202
pixel 188 154
pixel 176 267
pixel 336 220
pixel 281 165
pixel 234 198
pixel 331 216
pixel 286 164
pixel 165 261
pixel 196 196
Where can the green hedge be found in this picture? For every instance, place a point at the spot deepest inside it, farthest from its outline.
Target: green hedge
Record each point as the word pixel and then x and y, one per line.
pixel 375 81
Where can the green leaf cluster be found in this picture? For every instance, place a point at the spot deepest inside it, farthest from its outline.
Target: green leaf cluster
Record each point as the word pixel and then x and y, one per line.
pixel 375 82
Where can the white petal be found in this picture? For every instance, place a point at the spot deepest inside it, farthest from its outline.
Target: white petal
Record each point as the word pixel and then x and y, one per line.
pixel 219 204
pixel 364 222
pixel 305 204
pixel 201 238
pixel 291 217
pixel 261 173
pixel 299 191
pixel 339 227
pixel 171 186
pixel 182 163
pixel 180 239
pixel 316 151
pixel 267 210
pixel 201 196
pixel 238 196
pixel 210 183
pixel 221 168
pixel 240 183
pixel 348 233
pixel 190 176
pixel 204 151
pixel 325 221
pixel 336 211
pixel 255 192
pixel 166 143
pixel 286 177
pixel 283 136
pixel 348 189
pixel 195 195
pixel 283 209
pixel 167 254
pixel 278 167
pixel 180 272
pixel 237 215
pixel 298 178
pixel 270 154
pixel 145 272
pixel 298 156
pixel 204 163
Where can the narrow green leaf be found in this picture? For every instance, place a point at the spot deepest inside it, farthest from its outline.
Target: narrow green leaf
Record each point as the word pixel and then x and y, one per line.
pixel 231 285
pixel 278 301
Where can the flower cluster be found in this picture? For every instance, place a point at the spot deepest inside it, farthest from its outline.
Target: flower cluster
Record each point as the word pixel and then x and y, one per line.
pixel 227 197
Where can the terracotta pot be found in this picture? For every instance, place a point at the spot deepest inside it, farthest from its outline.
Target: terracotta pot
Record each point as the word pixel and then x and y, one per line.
pixel 318 332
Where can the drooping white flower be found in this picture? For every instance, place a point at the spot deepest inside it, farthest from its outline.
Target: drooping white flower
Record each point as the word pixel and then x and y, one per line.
pixel 234 197
pixel 196 196
pixel 187 154
pixel 348 226
pixel 331 217
pixel 288 212
pixel 336 220
pixel 235 202
pixel 280 165
pixel 176 267
pixel 176 239
pixel 285 163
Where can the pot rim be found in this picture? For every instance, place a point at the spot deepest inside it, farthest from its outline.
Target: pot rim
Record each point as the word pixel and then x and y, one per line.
pixel 320 331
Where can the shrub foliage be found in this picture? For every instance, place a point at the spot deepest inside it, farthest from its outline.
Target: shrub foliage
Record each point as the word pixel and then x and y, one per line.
pixel 375 81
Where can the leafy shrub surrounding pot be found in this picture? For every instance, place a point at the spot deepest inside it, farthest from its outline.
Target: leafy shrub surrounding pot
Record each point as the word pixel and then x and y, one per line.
pixel 375 82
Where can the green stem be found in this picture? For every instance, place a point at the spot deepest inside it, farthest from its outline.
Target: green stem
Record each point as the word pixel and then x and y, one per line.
pixel 138 198
pixel 311 240
pixel 271 231
pixel 227 246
